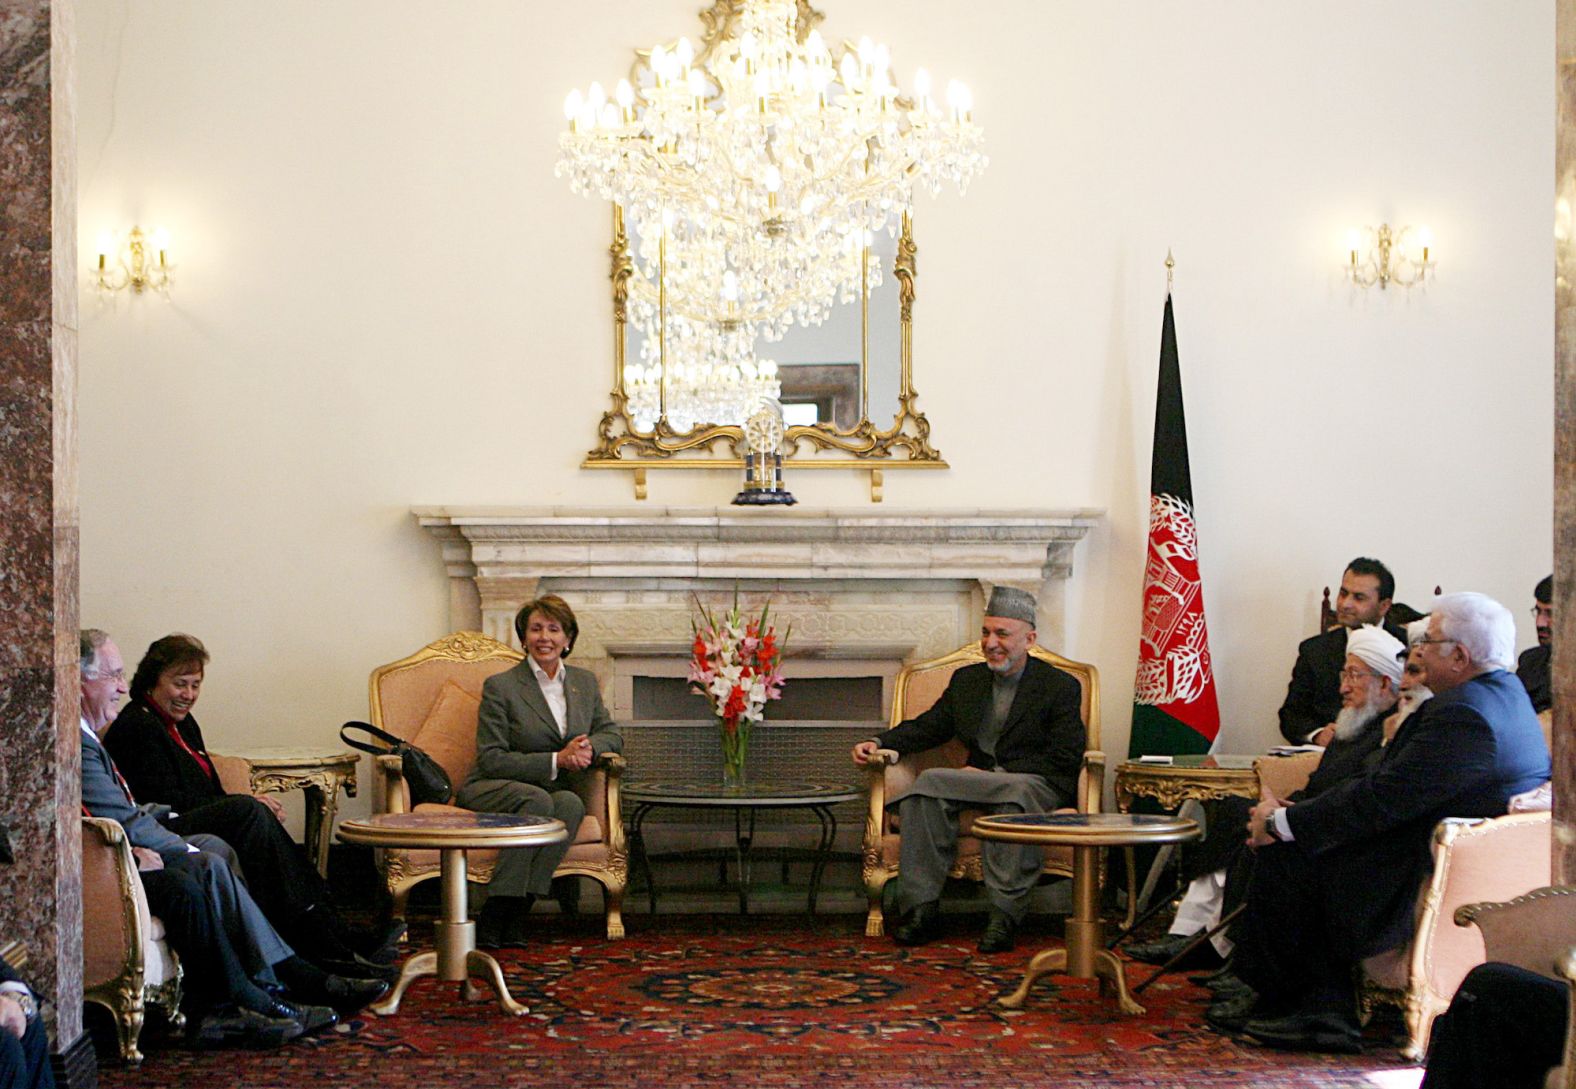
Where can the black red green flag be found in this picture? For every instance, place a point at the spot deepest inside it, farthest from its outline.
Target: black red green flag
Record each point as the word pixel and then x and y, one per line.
pixel 1174 708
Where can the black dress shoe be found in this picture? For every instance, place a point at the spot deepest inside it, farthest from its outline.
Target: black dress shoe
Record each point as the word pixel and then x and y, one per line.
pixel 1161 951
pixel 377 944
pixel 359 967
pixel 1227 986
pixel 310 1018
pixel 1203 979
pixel 1231 1015
pixel 230 1027
pixel 1001 933
pixel 922 925
pixel 1320 1030
pixel 350 995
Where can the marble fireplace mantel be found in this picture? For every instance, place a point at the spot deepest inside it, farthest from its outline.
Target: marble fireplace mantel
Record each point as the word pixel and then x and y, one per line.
pixel 846 578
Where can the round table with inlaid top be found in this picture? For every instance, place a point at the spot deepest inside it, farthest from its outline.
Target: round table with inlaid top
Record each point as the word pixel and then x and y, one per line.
pixel 455 957
pixel 1084 955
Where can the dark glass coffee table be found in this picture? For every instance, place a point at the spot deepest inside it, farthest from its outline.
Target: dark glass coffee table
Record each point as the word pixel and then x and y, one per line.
pixel 745 801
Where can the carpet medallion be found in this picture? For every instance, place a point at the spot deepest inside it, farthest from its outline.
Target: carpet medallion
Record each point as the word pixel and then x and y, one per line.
pixel 771 1001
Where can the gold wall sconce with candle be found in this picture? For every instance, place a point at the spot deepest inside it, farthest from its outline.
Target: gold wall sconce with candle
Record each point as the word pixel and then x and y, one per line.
pixel 1380 255
pixel 139 263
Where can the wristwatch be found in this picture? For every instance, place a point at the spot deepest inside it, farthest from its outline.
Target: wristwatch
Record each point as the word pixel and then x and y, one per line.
pixel 1269 826
pixel 24 1000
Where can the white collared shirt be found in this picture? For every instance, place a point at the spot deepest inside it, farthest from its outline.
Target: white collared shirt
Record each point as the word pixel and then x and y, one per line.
pixel 553 691
pixel 557 702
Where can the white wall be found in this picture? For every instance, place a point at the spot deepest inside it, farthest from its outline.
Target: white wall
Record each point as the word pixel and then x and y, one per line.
pixel 385 298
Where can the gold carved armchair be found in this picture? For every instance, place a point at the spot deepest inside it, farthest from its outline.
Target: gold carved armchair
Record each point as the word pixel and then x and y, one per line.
pixel 431 699
pixel 126 963
pixel 918 686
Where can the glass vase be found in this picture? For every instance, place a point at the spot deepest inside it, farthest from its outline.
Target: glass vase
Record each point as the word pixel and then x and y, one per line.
pixel 735 747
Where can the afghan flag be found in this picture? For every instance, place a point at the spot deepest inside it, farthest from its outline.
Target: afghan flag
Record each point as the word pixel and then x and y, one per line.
pixel 1174 708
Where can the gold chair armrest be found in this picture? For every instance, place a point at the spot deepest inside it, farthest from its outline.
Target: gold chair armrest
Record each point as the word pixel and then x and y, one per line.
pixel 875 782
pixel 612 766
pixel 1094 782
pixel 396 796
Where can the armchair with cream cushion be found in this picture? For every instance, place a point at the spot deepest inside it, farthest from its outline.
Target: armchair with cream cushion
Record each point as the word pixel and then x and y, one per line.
pixel 126 962
pixel 918 687
pixel 431 699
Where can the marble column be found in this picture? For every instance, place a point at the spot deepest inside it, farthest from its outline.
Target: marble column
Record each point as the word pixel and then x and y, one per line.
pixel 40 894
pixel 1564 665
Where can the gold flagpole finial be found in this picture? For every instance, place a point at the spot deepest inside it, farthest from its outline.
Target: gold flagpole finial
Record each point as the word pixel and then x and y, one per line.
pixel 1171 264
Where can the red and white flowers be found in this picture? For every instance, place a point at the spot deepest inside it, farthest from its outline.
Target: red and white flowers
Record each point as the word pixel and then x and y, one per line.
pixel 736 664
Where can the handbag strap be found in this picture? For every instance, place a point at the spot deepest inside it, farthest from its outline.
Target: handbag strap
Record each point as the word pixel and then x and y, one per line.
pixel 371 731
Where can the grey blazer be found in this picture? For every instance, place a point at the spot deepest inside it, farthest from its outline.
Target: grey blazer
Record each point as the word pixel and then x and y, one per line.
pixel 516 734
pixel 103 797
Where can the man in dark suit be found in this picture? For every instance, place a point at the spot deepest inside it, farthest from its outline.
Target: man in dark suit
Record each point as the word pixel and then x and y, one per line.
pixel 541 725
pixel 24 1045
pixel 1019 719
pixel 1505 1028
pixel 1314 696
pixel 1533 665
pixel 1337 876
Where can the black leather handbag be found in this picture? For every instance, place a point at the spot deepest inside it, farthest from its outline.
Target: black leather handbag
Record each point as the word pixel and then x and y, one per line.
pixel 424 776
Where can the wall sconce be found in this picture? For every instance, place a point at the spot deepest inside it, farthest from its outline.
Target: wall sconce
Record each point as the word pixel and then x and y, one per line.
pixel 1380 256
pixel 133 266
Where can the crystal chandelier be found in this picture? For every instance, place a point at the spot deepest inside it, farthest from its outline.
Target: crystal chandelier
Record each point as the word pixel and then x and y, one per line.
pixel 754 172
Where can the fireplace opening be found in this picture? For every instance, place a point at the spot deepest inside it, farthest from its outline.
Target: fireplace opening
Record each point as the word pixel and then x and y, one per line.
pixel 818 699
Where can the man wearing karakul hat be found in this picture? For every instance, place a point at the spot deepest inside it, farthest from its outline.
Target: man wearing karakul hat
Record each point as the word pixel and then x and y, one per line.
pixel 1019 719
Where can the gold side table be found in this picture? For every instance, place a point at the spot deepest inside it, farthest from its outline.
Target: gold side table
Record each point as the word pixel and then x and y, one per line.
pixel 1194 778
pixel 455 957
pixel 319 774
pixel 1084 956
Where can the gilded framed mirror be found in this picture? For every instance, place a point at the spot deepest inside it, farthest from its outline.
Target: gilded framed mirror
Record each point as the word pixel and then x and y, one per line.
pixel 763 249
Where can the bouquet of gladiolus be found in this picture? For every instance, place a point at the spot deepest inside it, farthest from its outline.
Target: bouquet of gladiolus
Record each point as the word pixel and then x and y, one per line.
pixel 737 666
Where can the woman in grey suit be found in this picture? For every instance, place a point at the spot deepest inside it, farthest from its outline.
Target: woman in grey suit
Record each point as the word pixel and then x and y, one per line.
pixel 541 725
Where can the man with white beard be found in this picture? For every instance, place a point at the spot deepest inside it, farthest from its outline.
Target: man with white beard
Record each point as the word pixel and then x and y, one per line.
pixel 1414 687
pixel 1371 680
pixel 1369 685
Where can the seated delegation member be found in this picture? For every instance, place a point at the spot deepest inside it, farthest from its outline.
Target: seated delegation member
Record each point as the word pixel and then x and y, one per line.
pixel 541 726
pixel 158 747
pixel 1313 696
pixel 1337 876
pixel 227 935
pixel 24 1045
pixel 1533 665
pixel 1019 719
pixel 1369 687
pixel 1504 1029
pixel 1368 692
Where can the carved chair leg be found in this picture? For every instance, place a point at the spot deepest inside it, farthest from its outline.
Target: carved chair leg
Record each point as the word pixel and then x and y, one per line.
pixel 614 895
pixel 128 1028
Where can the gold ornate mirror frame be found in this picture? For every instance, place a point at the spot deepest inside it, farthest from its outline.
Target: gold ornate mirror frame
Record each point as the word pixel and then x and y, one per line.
pixel 905 444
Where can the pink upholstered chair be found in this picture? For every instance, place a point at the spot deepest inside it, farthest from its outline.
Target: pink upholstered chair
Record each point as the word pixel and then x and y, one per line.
pixel 918 686
pixel 431 699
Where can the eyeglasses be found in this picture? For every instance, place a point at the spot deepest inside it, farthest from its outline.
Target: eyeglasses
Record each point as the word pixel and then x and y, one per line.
pixel 118 675
pixel 1353 675
pixel 1425 642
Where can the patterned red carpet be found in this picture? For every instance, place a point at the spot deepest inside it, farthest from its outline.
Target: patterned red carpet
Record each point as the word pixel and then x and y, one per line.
pixel 770 1002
